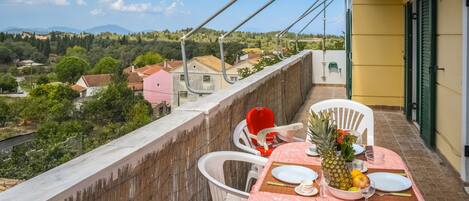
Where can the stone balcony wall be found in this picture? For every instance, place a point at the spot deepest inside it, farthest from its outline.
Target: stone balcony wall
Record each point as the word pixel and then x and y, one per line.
pixel 159 160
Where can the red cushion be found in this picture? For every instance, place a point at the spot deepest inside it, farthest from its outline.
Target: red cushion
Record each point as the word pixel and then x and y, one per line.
pixel 265 153
pixel 260 118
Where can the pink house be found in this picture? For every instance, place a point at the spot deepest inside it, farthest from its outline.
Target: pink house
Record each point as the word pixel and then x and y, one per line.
pixel 157 85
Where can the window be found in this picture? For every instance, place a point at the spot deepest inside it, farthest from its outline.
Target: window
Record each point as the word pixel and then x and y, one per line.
pixel 206 78
pixel 183 94
pixel 181 77
pixel 234 79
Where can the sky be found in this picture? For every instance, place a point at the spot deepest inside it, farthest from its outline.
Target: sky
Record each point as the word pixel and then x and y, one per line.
pixel 144 15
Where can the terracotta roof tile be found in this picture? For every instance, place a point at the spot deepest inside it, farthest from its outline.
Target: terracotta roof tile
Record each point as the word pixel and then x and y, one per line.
pixel 212 62
pixel 152 69
pixel 77 88
pixel 97 80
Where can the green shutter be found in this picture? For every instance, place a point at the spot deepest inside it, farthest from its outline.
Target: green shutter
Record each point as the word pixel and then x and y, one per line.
pixel 348 52
pixel 427 71
pixel 408 61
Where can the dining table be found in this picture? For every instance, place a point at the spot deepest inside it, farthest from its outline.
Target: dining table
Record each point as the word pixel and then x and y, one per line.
pixel 295 154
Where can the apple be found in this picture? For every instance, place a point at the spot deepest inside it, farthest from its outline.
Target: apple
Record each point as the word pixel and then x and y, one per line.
pixel 361 181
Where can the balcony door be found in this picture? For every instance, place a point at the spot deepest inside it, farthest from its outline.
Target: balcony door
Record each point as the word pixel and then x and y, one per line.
pixel 420 67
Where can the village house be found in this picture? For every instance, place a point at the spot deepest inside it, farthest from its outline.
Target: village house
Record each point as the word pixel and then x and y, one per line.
pixel 90 85
pixel 205 74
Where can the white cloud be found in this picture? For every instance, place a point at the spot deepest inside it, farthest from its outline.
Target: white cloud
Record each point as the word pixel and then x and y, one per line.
pixel 31 2
pixel 97 12
pixel 120 5
pixel 81 2
pixel 165 6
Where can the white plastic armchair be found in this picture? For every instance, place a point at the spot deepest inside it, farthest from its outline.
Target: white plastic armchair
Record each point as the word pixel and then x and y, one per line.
pixel 242 137
pixel 211 166
pixel 242 140
pixel 286 133
pixel 348 115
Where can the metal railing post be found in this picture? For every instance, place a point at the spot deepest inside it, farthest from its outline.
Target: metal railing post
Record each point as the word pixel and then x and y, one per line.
pixel 285 31
pixel 183 48
pixel 222 38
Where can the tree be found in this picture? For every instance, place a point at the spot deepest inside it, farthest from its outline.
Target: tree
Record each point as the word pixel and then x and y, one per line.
pixel 106 65
pixel 69 69
pixel 5 55
pixel 43 79
pixel 54 92
pixel 40 109
pixel 5 113
pixel 39 57
pixel 76 51
pixel 8 83
pixel 148 58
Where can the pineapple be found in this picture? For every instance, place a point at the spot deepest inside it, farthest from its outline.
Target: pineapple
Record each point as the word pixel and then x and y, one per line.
pixel 323 133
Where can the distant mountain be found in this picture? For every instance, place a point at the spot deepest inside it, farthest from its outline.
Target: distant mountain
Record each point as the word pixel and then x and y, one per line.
pixel 94 30
pixel 20 30
pixel 108 28
pixel 64 29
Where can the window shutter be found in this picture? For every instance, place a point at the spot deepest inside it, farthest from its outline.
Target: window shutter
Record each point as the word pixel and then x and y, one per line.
pixel 428 71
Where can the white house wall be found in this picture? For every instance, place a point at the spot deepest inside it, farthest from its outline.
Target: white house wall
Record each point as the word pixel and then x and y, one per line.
pixel 337 56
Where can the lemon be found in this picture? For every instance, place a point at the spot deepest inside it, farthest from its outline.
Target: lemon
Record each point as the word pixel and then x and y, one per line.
pixel 353 189
pixel 356 173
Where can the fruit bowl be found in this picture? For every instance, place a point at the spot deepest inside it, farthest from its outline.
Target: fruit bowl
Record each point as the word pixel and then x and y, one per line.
pixel 345 195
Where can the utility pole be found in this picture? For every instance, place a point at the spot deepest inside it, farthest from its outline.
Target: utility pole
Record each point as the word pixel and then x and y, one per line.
pixel 324 44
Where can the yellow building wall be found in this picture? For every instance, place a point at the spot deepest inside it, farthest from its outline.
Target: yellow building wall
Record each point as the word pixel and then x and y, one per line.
pixel 449 81
pixel 377 52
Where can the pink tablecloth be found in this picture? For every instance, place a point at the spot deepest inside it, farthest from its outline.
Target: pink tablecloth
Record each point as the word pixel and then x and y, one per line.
pixel 295 153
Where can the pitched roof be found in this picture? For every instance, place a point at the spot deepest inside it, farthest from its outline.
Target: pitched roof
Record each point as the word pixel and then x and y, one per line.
pixel 152 69
pixel 170 65
pixel 97 80
pixel 134 77
pixel 212 62
pixel 77 88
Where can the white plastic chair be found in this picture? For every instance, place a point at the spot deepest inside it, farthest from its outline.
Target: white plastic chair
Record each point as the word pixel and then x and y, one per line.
pixel 348 115
pixel 242 137
pixel 242 140
pixel 211 166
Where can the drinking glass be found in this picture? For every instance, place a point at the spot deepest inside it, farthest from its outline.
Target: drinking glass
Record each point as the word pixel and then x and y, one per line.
pixel 368 191
pixel 374 157
pixel 323 185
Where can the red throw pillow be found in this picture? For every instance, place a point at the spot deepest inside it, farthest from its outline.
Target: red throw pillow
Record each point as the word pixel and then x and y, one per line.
pixel 260 118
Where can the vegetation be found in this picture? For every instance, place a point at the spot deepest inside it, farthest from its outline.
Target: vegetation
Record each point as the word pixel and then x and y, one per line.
pixel 148 58
pixel 70 68
pixel 107 65
pixel 264 62
pixel 7 83
pixel 64 131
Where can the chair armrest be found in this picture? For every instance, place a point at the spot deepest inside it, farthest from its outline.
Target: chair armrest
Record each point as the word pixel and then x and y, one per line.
pixel 284 131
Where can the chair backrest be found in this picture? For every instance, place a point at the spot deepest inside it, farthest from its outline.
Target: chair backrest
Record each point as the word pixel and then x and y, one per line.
pixel 211 166
pixel 348 115
pixel 242 140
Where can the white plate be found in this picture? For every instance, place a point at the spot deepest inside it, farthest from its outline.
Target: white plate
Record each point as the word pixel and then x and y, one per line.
pixel 293 174
pixel 358 149
pixel 303 193
pixel 390 182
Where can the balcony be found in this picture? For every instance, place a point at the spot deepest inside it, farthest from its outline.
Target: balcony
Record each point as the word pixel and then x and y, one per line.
pixel 158 161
